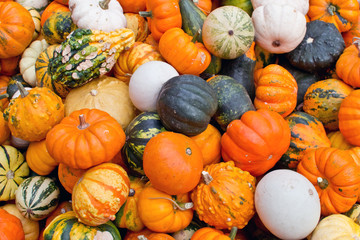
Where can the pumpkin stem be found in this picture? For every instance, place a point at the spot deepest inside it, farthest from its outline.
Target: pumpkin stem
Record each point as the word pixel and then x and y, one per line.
pixel 193 40
pixel 23 92
pixel 141 237
pixel 206 177
pixel 131 192
pixel 233 233
pixel 104 4
pixel 83 124
pixel 10 174
pixel 331 9
pixel 276 43
pixel 145 14
pixel 322 182
pixel 93 92
pixel 5 95
pixel 181 206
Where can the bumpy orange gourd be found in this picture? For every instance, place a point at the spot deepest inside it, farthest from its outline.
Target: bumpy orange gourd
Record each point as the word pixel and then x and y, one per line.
pixel 186 56
pixel 39 159
pixel 130 60
pixel 99 194
pixel 335 175
pixel 209 143
pixel 69 176
pixel 16 30
pixel 10 227
pixel 161 212
pixel 214 197
pixel 161 16
pixel 34 113
pixel 85 138
pixel 348 64
pixel 256 141
pixel 275 89
pixel 343 14
pixel 173 162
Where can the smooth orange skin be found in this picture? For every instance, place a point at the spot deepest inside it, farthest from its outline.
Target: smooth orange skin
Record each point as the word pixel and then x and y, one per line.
pixel 51 9
pixel 209 233
pixel 348 65
pixel 133 6
pixel 68 176
pixel 39 159
pixel 10 227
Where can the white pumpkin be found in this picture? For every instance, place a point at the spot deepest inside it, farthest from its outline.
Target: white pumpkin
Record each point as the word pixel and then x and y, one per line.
pixel 39 5
pixel 287 204
pixel 105 15
pixel 278 28
pixel 36 19
pixel 146 82
pixel 28 59
pixel 300 5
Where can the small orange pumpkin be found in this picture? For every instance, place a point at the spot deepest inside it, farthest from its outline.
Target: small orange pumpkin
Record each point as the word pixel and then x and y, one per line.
pixel 354 31
pixel 186 56
pixel 178 159
pixel 10 66
pixel 38 158
pixel 51 9
pixel 204 5
pixel 4 129
pixel 209 233
pixel 133 6
pixel 69 176
pixel 10 227
pixel 85 138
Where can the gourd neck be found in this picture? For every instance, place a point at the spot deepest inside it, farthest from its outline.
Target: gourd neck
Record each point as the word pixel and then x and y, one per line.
pixel 104 4
pixel 322 182
pixel 177 205
pixel 5 95
pixel 83 124
pixel 145 14
pixel 23 92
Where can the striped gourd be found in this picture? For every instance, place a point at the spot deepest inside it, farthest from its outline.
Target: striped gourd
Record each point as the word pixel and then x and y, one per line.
pixel 57 27
pixel 36 18
pixel 13 171
pixel 143 127
pixel 43 77
pixel 67 226
pixel 37 197
pixel 228 32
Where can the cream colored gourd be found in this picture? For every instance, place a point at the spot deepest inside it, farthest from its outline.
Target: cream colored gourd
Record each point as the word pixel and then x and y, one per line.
pixel 300 5
pixel 39 5
pixel 336 226
pixel 105 15
pixel 37 21
pixel 278 28
pixel 31 227
pixel 105 93
pixel 28 59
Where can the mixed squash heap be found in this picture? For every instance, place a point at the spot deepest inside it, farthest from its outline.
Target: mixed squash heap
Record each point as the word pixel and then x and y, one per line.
pixel 179 119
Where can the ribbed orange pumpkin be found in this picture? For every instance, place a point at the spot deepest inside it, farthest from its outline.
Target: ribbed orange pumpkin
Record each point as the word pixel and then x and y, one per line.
pixel 161 212
pixel 209 233
pixel 256 141
pixel 69 176
pixel 99 194
pixel 276 89
pixel 349 118
pixel 354 31
pixel 214 197
pixel 131 59
pixel 85 138
pixel 336 178
pixel 34 113
pixel 38 158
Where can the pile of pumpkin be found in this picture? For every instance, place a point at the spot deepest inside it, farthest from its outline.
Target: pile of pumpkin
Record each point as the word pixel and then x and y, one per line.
pixel 179 119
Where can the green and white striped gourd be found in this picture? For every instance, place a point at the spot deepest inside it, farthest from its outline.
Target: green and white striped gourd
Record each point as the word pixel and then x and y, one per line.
pixel 14 169
pixel 88 54
pixel 37 197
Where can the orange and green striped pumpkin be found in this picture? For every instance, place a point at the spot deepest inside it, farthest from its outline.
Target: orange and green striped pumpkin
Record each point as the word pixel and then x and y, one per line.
pixel 57 27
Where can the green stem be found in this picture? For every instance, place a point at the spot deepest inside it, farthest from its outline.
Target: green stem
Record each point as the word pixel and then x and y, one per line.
pixel 181 206
pixel 104 4
pixel 83 124
pixel 5 95
pixel 233 233
pixel 23 92
pixel 206 177
pixel 332 9
pixel 322 182
pixel 196 36
pixel 145 14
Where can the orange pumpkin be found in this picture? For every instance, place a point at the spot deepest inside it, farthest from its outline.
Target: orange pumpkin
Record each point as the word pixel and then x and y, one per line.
pixel 256 141
pixel 63 207
pixel 51 9
pixel 335 175
pixel 69 176
pixel 209 233
pixel 139 26
pixel 349 118
pixel 204 5
pixel 10 66
pixel 99 194
pixel 161 212
pixel 64 2
pixel 10 227
pixel 85 138
pixel 343 14
pixel 354 31
pixel 186 56
pixel 17 28
pixel 4 129
pixel 133 6
pixel 156 236
pixel 178 159
pixel 276 89
pixel 130 235
pixel 209 143
pixel 4 101
pixel 38 158
pixel 348 64
pixel 162 15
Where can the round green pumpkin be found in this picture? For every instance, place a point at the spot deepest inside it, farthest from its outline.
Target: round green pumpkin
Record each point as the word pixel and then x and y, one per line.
pixel 67 226
pixel 245 5
pixel 186 104
pixel 139 131
pixel 57 27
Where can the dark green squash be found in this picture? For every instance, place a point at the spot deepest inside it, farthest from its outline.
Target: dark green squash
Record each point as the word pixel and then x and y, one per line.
pixel 320 48
pixel 12 87
pixel 307 132
pixel 186 104
pixel 233 99
pixel 139 131
pixel 242 70
pixel 243 4
pixel 57 27
pixel 264 57
pixel 192 19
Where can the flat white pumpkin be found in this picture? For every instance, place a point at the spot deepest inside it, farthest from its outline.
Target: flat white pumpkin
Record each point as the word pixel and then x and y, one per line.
pixel 39 5
pixel 278 28
pixel 105 15
pixel 300 5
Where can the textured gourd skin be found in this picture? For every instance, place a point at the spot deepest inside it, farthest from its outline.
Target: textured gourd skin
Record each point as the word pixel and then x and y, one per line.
pixel 214 203
pixel 87 54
